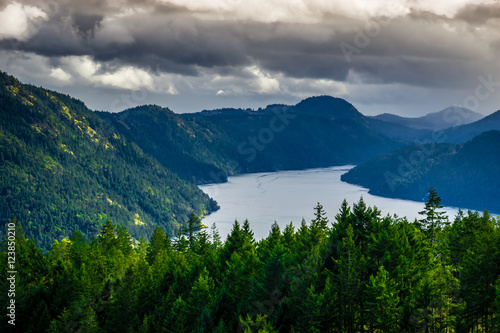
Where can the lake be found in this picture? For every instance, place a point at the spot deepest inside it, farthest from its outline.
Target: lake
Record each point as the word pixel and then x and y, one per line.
pixel 289 196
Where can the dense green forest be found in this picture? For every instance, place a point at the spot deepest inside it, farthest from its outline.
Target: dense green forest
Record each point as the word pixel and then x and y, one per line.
pixel 195 153
pixel 361 272
pixel 62 168
pixel 465 174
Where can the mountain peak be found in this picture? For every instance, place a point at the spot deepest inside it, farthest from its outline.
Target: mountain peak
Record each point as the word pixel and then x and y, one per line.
pixel 327 106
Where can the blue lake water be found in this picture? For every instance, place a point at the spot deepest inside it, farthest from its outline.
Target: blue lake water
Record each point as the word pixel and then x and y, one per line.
pixel 289 196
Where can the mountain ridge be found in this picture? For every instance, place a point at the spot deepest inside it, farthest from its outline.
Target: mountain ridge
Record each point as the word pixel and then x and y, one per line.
pixel 468 131
pixel 449 117
pixel 277 137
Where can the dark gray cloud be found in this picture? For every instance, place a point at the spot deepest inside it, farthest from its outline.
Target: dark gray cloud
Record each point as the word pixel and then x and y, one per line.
pixel 420 48
pixel 479 13
pixel 407 50
pixel 86 24
pixel 53 39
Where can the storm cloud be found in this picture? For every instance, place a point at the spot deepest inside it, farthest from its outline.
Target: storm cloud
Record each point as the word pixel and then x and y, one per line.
pixel 233 52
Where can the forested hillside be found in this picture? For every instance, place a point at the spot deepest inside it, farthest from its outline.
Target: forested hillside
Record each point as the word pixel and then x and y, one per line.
pixel 465 174
pixel 63 169
pixel 361 273
pixel 207 146
pixel 193 152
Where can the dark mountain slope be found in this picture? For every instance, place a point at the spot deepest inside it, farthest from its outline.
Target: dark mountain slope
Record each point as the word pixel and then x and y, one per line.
pixel 318 131
pixel 62 168
pixel 465 175
pixel 209 145
pixel 401 133
pixel 328 107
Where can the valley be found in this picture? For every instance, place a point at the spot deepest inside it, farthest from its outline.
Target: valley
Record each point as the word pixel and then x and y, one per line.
pixel 75 167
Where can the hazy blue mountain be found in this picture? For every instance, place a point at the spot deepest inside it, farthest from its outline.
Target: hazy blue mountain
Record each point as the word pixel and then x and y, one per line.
pixel 449 117
pixel 400 133
pixel 466 132
pixel 464 174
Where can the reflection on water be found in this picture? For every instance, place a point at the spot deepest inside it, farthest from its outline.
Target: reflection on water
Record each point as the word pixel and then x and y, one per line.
pixel 289 196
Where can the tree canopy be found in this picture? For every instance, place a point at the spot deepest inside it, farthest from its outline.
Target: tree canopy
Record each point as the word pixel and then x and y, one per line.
pixel 360 273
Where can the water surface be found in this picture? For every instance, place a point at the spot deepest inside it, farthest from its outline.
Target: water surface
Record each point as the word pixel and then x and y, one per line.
pixel 289 196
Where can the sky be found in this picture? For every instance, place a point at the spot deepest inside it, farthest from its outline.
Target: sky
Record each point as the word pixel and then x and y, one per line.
pixel 406 57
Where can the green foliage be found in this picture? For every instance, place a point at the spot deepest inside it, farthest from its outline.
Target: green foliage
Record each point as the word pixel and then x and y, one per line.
pixel 260 325
pixel 361 273
pixel 64 169
pixel 191 151
pixel 193 225
pixel 381 304
pixel 159 242
pixel 434 220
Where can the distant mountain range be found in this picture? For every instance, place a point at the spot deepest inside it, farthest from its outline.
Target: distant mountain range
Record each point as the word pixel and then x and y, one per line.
pixel 64 167
pixel 449 125
pixel 467 132
pixel 449 117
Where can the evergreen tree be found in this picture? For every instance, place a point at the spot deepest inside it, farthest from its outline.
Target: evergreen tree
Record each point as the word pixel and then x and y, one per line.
pixel 320 220
pixel 247 231
pixel 351 264
pixel 434 219
pixel 381 304
pixel 234 241
pixel 310 312
pixel 480 271
pixel 107 237
pixel 496 313
pixel 158 242
pixel 79 248
pixel 216 240
pixel 259 325
pixel 176 320
pixel 200 300
pixel 193 226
